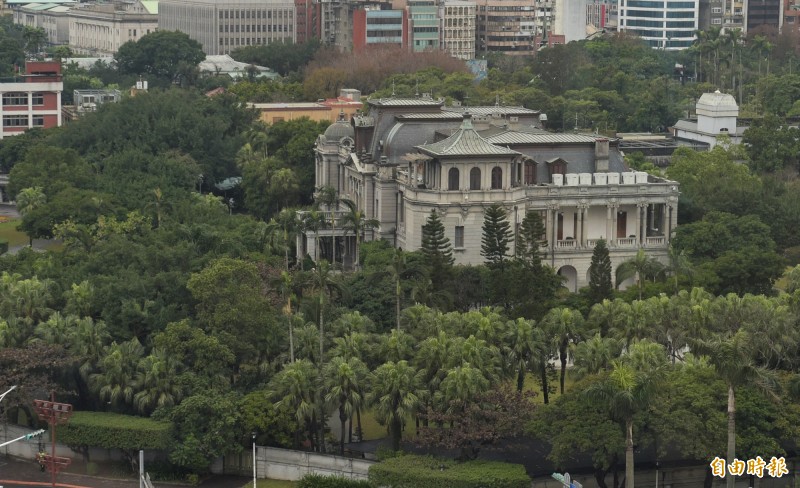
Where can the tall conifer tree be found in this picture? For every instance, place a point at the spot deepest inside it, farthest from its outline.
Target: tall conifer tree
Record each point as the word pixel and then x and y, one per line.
pixel 437 250
pixel 600 286
pixel 496 236
pixel 529 239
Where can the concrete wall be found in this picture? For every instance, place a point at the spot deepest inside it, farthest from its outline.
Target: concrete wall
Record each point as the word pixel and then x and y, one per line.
pixel 284 464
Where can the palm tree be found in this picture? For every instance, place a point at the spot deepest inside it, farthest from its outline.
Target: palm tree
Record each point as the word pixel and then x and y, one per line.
pixel 28 200
pixel 521 344
pixel 156 382
pixel 433 355
pixel 324 283
pixel 295 387
pixel 343 382
pixel 116 380
pixel 356 221
pixel 630 387
pixel 460 386
pixel 732 357
pixel 328 197
pixel 56 330
pixel 397 392
pixel 733 37
pixel 286 286
pixel 641 266
pixel 313 221
pixel 87 343
pixel 399 269
pixel 679 263
pixel 595 355
pixel 565 326
pixel 609 315
pixel 287 220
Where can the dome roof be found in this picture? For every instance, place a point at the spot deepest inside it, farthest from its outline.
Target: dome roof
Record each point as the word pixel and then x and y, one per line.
pixel 717 99
pixel 339 130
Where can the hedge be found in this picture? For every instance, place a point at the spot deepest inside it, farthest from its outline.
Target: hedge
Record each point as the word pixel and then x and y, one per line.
pixel 418 471
pixel 3 246
pixel 318 481
pixel 115 431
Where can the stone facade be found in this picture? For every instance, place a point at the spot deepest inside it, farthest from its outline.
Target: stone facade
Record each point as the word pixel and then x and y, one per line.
pixel 406 157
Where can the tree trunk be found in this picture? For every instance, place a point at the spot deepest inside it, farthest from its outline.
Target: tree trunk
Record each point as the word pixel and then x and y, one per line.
pixel 543 379
pixel 562 354
pixel 629 453
pixel 343 421
pixel 600 477
pixel 520 378
pixel 358 430
pixel 350 429
pixel 291 335
pixel 396 433
pixel 286 251
pixel 397 304
pixel 321 327
pixel 730 480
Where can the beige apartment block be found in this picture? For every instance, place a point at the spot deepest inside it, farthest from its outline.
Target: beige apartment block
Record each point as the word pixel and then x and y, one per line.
pixel 100 29
pixel 222 26
pixel 458 28
pixel 506 26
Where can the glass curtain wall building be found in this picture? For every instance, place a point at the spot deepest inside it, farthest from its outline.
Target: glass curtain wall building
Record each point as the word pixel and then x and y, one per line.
pixel 663 24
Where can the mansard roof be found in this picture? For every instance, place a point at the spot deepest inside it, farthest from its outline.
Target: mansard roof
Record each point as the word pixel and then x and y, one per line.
pixel 465 142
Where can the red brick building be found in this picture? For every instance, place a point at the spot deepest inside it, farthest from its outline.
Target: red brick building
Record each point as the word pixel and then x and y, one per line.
pixel 32 99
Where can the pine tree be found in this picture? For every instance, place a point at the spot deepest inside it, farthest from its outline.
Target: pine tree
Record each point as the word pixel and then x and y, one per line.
pixel 600 287
pixel 496 236
pixel 437 250
pixel 529 239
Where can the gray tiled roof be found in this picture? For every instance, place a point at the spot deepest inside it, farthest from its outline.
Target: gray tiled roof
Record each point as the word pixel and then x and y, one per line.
pixel 514 137
pixel 493 109
pixel 405 102
pixel 431 116
pixel 465 142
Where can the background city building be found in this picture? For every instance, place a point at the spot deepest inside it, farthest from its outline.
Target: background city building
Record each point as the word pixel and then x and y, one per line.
pixel 663 24
pixel 101 28
pixel 33 99
pixel 221 26
pixel 458 28
pixel 506 26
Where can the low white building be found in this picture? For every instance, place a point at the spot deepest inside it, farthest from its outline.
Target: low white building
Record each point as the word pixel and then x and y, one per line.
pixel 406 157
pixel 223 64
pixel 717 115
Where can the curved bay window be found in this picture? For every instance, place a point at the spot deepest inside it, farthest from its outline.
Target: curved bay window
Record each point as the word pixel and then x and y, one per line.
pixel 475 179
pixel 452 179
pixel 497 178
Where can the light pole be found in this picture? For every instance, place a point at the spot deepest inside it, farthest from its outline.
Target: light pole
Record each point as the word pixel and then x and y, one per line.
pixel 254 460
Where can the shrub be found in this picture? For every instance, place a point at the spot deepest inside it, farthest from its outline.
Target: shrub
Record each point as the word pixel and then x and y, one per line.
pixel 318 481
pixel 114 431
pixel 417 471
pixel 3 246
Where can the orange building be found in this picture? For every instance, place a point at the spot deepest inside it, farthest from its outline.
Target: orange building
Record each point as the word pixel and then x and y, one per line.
pixel 32 99
pixel 348 101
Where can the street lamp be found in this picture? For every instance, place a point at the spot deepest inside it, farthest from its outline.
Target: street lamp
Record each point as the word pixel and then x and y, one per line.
pixel 254 460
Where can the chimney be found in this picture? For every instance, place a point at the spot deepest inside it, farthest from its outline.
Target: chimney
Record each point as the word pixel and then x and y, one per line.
pixel 601 155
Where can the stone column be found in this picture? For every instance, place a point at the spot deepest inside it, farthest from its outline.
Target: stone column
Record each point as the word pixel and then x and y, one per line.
pixel 641 220
pixel 614 223
pixel 665 222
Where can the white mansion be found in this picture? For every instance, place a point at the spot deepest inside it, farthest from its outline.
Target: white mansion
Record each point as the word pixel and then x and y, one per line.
pixel 408 156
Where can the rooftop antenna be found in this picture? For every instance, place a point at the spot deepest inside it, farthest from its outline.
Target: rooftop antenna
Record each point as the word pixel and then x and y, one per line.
pixel 466 101
pixel 497 100
pixel 392 87
pixel 417 89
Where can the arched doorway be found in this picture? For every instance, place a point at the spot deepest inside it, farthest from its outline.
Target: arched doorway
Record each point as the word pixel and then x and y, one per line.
pixel 571 277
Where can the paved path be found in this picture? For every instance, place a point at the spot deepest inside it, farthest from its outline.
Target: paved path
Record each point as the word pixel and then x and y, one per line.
pixel 28 474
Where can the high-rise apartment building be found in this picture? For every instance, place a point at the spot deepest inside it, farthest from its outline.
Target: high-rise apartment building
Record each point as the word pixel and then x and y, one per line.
pixel 767 13
pixel 506 26
pixel 224 25
pixel 458 28
pixel 424 25
pixel 376 27
pixel 663 24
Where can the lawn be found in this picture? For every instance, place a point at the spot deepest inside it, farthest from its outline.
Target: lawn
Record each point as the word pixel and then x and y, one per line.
pixel 9 232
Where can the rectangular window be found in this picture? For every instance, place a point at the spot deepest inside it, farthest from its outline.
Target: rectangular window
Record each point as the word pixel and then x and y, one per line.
pixel 38 120
pixel 15 99
pixel 15 121
pixel 459 240
pixel 38 98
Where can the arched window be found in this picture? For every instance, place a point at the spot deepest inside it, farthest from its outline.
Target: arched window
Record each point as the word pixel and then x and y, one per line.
pixel 452 179
pixel 497 178
pixel 475 179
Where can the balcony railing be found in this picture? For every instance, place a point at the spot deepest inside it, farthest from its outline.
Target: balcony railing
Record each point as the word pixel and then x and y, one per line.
pixel 566 244
pixel 626 242
pixel 655 241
